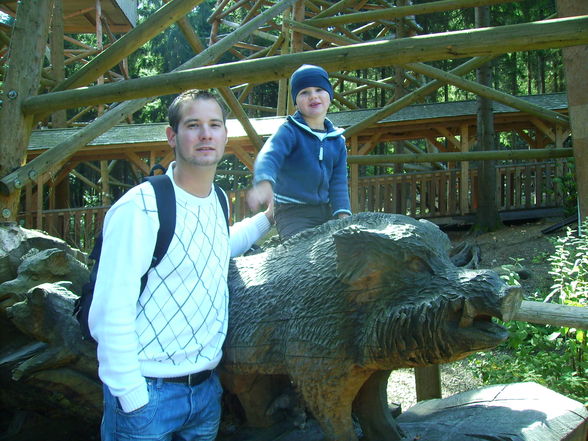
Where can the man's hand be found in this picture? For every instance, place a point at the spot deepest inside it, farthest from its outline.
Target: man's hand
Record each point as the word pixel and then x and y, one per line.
pixel 269 212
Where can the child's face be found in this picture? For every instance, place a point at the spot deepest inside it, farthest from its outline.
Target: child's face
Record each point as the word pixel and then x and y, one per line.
pixel 313 102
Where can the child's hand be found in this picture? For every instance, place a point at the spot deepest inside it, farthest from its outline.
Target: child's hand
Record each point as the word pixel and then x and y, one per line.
pixel 260 194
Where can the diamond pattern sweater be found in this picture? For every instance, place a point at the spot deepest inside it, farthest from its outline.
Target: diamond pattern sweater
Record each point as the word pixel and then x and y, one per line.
pixel 177 325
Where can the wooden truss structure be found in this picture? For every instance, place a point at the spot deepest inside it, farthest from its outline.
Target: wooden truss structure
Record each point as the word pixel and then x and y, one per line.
pixel 269 39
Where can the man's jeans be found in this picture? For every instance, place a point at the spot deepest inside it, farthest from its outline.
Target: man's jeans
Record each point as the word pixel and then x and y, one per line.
pixel 174 412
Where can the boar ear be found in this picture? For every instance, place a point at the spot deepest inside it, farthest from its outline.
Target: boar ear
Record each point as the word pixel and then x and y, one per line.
pixel 357 256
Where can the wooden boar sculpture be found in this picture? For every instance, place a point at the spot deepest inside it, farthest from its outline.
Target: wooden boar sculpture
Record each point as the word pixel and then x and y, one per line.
pixel 336 308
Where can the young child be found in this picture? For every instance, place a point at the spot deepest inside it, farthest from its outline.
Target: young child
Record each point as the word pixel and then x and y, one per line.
pixel 303 166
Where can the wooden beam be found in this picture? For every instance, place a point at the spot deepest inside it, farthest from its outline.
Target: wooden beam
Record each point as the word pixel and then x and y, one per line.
pixel 227 94
pixel 485 41
pixel 17 179
pixel 336 8
pixel 461 156
pixel 129 43
pixel 85 180
pixel 543 128
pixel 402 11
pixel 412 97
pixel 29 38
pixel 313 31
pixel 58 119
pixel 490 93
pixel 138 162
pixel 552 314
pixel 456 143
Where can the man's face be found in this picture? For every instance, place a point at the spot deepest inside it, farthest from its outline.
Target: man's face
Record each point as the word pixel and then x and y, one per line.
pixel 202 134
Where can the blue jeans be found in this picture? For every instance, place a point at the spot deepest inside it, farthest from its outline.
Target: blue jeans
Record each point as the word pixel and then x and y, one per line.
pixel 174 412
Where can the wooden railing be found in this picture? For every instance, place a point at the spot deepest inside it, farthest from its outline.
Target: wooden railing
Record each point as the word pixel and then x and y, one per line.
pixel 77 226
pixel 438 194
pixel 420 195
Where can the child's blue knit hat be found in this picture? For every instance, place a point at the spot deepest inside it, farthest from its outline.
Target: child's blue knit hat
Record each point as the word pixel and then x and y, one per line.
pixel 308 75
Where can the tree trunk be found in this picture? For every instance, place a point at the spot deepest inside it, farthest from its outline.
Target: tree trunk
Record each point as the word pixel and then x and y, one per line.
pixel 25 58
pixel 576 66
pixel 487 217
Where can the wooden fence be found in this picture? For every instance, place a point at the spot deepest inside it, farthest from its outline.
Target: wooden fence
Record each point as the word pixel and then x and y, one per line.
pixel 420 195
pixel 438 194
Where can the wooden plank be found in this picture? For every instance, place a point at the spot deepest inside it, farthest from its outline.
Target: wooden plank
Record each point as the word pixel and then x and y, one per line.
pixel 443 186
pixel 517 189
pixel 378 196
pixel 529 186
pixel 539 179
pixel 415 196
pixel 403 197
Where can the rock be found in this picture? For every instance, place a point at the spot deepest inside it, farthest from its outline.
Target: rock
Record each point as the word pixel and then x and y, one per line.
pixel 512 412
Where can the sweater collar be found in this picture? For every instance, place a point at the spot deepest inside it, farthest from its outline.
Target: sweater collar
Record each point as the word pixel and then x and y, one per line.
pixel 331 132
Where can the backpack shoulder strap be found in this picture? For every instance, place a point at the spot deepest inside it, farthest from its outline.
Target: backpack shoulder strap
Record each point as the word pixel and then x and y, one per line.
pixel 222 198
pixel 165 198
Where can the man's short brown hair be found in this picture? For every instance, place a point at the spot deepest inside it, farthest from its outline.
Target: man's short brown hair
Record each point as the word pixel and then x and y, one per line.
pixel 174 112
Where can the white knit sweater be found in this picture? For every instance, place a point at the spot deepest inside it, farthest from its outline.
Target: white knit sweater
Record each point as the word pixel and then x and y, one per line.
pixel 178 324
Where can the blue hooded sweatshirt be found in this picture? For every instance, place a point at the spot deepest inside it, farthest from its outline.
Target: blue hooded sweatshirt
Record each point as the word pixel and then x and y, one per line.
pixel 305 166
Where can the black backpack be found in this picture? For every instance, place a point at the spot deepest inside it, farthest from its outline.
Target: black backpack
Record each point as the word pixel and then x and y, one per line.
pixel 166 211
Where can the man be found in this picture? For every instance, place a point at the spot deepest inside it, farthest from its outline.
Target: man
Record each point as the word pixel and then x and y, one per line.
pixel 157 349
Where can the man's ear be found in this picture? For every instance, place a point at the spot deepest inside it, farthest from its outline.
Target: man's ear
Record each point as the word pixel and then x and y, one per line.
pixel 171 136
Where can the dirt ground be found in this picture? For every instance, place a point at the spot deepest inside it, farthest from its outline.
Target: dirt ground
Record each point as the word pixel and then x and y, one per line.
pixel 522 245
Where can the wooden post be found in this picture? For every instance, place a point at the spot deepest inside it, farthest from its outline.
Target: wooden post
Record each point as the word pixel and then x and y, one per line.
pixel 25 56
pixel 576 66
pixel 284 102
pixel 40 182
pixel 354 178
pixel 428 382
pixel 105 188
pixel 58 119
pixel 465 172
pixel 99 46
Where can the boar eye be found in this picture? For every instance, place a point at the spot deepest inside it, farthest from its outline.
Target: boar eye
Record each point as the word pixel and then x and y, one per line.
pixel 416 264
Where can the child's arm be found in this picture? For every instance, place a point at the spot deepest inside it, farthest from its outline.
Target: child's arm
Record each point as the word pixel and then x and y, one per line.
pixel 339 188
pixel 267 166
pixel 261 194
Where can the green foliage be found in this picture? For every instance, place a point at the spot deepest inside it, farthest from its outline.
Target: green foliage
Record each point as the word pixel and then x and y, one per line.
pixel 567 185
pixel 554 357
pixel 569 268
